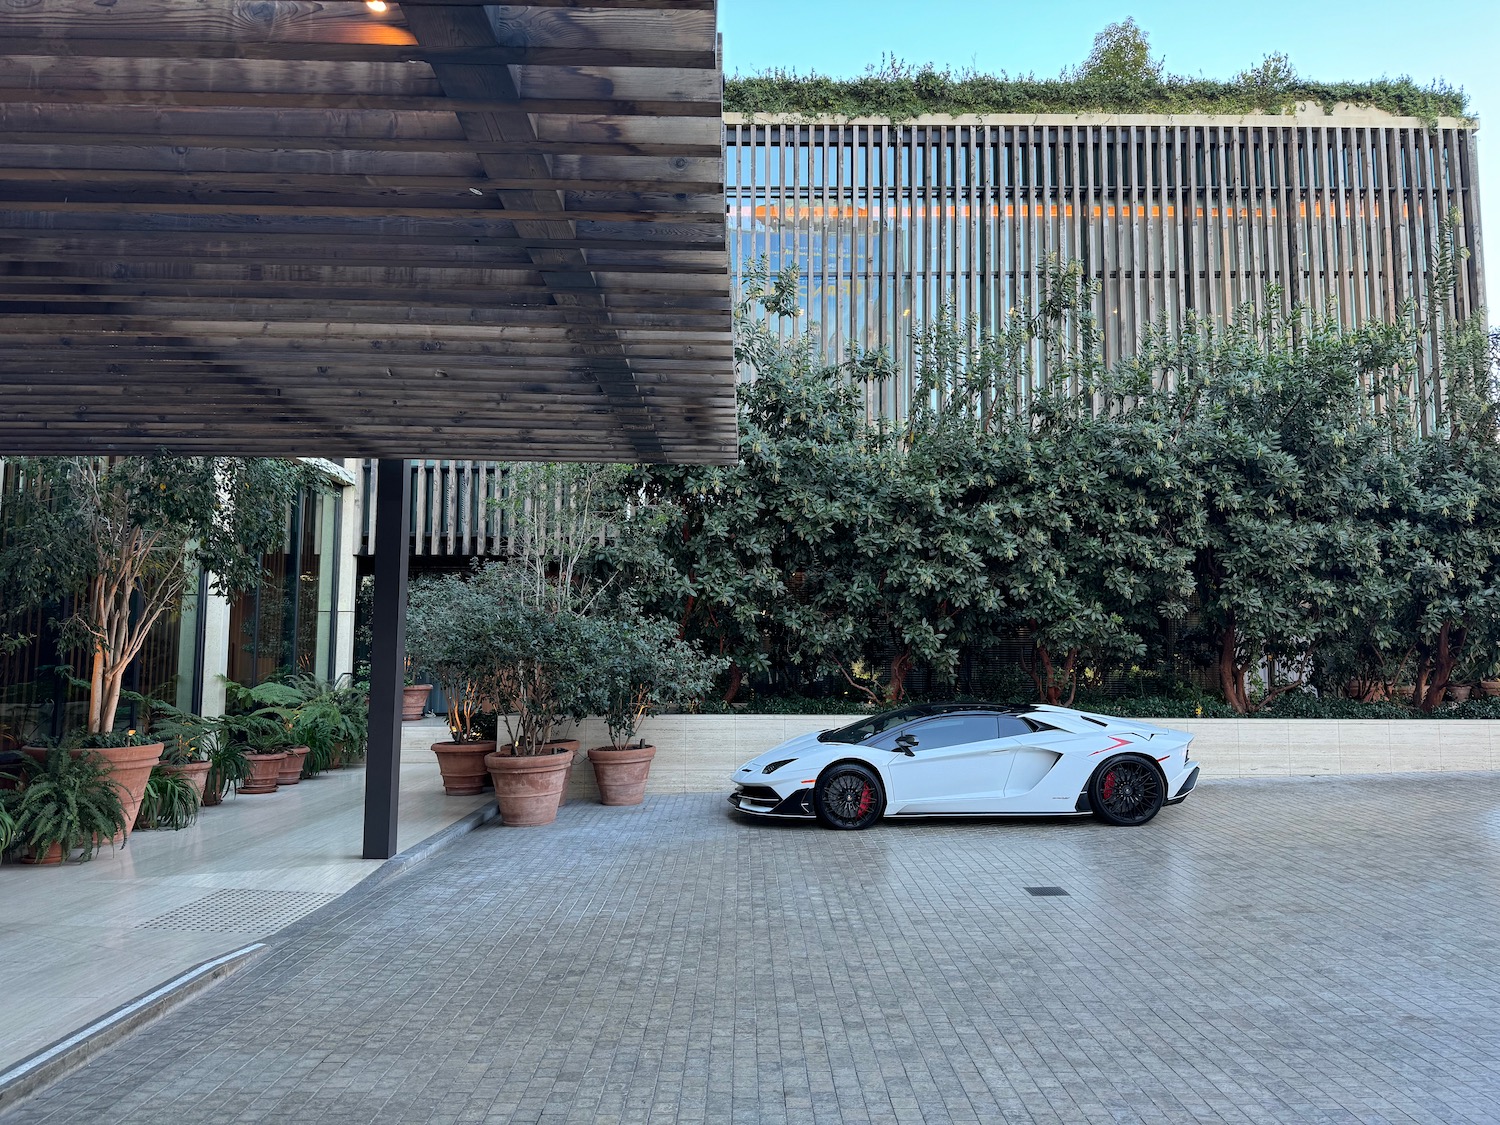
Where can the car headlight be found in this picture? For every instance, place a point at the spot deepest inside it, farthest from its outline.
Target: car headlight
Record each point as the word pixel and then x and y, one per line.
pixel 774 766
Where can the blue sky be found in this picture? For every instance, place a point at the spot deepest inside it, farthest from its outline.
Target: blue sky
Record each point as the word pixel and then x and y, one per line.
pixel 1457 41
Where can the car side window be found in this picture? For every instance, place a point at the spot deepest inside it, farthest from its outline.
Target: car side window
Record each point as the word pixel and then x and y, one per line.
pixel 954 730
pixel 1012 725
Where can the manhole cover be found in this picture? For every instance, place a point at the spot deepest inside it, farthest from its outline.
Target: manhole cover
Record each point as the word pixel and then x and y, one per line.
pixel 241 911
pixel 1045 892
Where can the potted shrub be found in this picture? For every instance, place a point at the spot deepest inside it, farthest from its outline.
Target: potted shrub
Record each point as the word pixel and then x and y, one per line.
pixel 67 803
pixel 448 631
pixel 640 665
pixel 536 641
pixel 414 695
pixel 132 534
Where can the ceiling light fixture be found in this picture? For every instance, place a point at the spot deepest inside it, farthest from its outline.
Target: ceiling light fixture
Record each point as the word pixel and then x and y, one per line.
pixel 376 5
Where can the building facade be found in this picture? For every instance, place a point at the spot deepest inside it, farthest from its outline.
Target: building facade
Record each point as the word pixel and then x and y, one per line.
pixel 889 223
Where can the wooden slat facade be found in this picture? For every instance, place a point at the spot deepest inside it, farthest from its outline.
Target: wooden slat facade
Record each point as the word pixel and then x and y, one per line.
pixel 472 230
pixel 1169 215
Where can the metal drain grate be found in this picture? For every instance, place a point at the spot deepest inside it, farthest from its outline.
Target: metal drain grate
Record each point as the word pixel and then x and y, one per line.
pixel 240 911
pixel 1046 892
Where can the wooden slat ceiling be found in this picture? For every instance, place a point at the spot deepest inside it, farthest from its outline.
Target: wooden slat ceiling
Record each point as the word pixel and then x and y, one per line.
pixel 439 230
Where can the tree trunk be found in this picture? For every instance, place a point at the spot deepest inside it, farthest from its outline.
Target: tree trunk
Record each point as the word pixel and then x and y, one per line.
pixel 736 675
pixel 900 666
pixel 1047 682
pixel 1231 673
pixel 1438 667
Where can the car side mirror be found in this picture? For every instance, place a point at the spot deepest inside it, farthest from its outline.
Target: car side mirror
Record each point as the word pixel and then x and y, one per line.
pixel 907 745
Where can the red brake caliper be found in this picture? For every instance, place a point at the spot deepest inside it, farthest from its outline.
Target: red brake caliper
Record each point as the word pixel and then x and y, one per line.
pixel 1107 790
pixel 866 799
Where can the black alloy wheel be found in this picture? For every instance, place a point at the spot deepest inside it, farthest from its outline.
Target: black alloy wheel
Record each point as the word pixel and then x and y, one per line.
pixel 848 796
pixel 1127 791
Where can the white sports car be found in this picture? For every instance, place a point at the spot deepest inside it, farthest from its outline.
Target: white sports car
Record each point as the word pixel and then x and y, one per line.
pixel 971 759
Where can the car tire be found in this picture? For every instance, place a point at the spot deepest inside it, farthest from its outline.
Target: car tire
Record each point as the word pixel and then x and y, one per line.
pixel 1127 791
pixel 848 796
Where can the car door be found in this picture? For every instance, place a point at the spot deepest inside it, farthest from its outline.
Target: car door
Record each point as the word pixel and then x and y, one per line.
pixel 959 763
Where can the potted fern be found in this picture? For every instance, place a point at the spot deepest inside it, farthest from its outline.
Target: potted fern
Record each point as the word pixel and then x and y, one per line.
pixel 67 804
pixel 172 801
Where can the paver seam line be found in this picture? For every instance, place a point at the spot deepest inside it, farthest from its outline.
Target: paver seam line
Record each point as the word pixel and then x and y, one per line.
pixel 51 1062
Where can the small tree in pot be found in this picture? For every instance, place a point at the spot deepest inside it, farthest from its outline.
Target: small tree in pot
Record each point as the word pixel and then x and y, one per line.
pixel 539 645
pixel 449 633
pixel 639 665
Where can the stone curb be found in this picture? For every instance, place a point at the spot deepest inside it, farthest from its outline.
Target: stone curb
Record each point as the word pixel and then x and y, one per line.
pixel 52 1062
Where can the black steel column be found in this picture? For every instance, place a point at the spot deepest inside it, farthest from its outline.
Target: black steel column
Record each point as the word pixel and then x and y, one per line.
pixel 387 656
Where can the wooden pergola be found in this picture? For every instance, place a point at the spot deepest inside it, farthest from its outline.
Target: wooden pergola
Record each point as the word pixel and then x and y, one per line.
pixel 339 228
pixel 364 229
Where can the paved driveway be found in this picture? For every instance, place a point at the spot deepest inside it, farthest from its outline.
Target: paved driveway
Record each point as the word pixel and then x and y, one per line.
pixel 1294 950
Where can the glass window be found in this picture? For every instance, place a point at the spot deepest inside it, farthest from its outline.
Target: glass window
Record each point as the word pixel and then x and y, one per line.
pixel 955 730
pixel 1012 725
pixel 875 724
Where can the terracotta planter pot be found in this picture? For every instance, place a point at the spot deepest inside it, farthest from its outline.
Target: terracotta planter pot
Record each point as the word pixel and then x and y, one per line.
pixel 1490 688
pixel 290 772
pixel 527 789
pixel 264 769
pixel 130 769
pixel 622 773
pixel 571 745
pixel 414 701
pixel 1460 693
pixel 195 772
pixel 462 766
pixel 213 788
pixel 53 855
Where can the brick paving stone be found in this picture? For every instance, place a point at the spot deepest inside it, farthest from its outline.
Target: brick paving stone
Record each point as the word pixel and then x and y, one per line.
pixel 1310 950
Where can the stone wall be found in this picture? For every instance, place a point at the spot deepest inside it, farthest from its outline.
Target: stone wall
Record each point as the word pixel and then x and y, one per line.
pixel 698 753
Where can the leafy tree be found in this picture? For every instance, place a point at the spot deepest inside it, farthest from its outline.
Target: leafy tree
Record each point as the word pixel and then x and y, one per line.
pixel 127 534
pixel 1448 522
pixel 1121 54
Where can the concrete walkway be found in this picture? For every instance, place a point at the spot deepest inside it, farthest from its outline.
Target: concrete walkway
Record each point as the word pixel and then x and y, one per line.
pixel 1271 951
pixel 82 939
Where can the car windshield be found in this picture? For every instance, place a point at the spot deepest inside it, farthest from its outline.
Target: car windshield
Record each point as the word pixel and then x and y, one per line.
pixel 875 724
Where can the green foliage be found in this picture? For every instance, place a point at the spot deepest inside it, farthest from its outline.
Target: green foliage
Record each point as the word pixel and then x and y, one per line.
pixel 300 710
pixel 170 801
pixel 9 829
pixel 449 636
pixel 1121 54
pixel 1261 503
pixel 638 665
pixel 1119 76
pixel 538 641
pixel 67 800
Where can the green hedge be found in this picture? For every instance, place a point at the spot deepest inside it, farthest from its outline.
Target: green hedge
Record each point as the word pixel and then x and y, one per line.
pixel 901 93
pixel 1291 706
